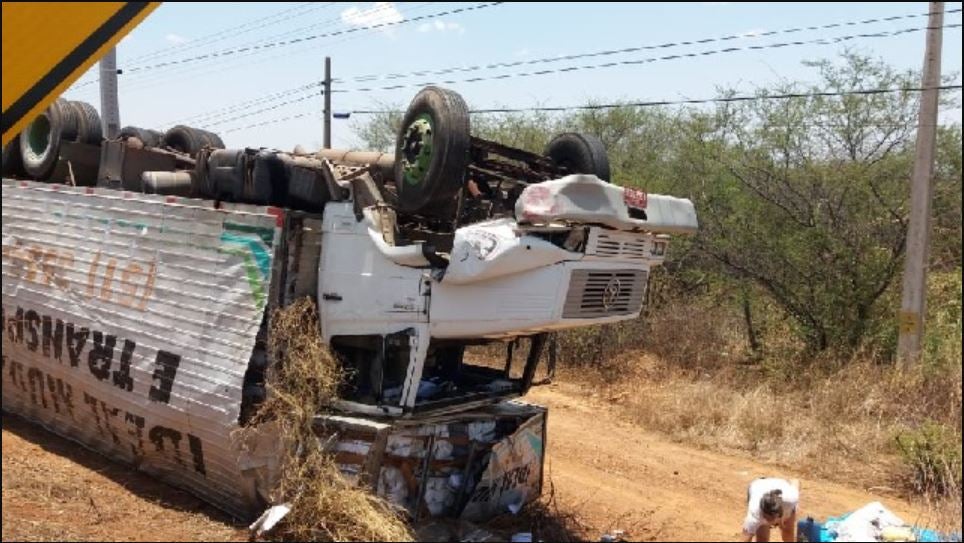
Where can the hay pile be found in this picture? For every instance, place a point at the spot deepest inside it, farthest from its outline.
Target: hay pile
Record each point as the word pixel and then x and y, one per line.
pixel 304 381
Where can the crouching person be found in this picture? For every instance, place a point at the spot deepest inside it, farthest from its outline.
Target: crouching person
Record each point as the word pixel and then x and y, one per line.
pixel 771 502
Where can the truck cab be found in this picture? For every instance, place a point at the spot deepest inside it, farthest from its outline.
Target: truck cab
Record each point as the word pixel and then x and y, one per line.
pixel 402 316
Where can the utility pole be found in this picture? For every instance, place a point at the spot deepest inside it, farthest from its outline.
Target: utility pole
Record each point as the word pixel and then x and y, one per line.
pixel 913 301
pixel 109 107
pixel 327 85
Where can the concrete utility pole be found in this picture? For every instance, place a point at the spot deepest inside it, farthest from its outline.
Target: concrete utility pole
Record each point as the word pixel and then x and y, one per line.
pixel 109 107
pixel 327 140
pixel 913 302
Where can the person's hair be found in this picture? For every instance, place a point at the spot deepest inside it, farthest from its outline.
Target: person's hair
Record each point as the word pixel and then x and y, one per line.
pixel 771 504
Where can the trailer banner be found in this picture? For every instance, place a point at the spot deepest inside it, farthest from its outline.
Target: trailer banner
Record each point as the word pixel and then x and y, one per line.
pixel 128 321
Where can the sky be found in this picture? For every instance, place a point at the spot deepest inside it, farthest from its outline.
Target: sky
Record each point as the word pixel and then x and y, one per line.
pixel 256 59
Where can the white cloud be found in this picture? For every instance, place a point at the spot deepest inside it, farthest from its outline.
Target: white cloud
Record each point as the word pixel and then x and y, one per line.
pixel 524 52
pixel 441 26
pixel 380 13
pixel 176 39
pixel 752 33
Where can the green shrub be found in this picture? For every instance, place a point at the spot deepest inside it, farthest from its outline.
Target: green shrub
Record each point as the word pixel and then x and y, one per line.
pixel 932 457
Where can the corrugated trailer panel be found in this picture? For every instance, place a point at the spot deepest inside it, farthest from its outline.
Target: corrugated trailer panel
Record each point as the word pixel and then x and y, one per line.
pixel 128 323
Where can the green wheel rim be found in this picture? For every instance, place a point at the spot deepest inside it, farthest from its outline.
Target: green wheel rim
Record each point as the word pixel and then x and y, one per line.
pixel 38 135
pixel 417 150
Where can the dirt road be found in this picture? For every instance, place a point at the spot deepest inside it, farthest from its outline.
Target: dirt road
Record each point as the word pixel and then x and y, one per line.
pixel 611 473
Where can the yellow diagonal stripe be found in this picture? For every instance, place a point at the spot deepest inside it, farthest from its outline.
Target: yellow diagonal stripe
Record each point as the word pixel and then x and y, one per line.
pixel 37 36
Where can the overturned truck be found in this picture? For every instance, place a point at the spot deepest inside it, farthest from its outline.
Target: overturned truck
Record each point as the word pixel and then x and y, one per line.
pixel 136 313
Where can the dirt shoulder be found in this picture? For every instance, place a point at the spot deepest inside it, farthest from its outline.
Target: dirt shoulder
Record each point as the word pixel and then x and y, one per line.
pixel 611 471
pixel 56 490
pixel 608 471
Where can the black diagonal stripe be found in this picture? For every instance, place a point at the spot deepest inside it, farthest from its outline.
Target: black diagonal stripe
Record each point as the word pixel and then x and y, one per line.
pixel 70 63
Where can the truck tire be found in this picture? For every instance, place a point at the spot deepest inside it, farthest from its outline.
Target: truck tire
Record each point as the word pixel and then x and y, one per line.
pixel 211 139
pixel 432 150
pixel 225 175
pixel 150 138
pixel 71 121
pixel 579 153
pixel 184 139
pixel 89 129
pixel 12 163
pixel 156 136
pixel 40 140
pixel 269 179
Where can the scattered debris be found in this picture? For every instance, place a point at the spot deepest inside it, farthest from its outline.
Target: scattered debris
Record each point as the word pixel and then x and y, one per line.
pixel 269 519
pixel 872 522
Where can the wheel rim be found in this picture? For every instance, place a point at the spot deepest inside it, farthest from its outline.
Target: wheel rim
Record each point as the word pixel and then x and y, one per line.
pixel 417 150
pixel 38 135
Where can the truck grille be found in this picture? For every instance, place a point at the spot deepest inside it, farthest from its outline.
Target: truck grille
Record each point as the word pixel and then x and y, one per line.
pixel 617 245
pixel 604 293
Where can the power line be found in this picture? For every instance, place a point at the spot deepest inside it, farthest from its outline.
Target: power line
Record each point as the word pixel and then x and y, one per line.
pixel 147 79
pixel 222 35
pixel 262 110
pixel 654 103
pixel 596 54
pixel 227 52
pixel 322 24
pixel 497 65
pixel 614 64
pixel 270 121
pixel 703 41
pixel 599 66
pixel 216 114
pixel 231 32
pixel 239 106
pixel 721 99
pixel 203 70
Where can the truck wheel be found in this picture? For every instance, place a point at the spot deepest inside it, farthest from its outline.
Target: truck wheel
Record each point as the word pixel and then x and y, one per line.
pixel 70 130
pixel 12 163
pixel 211 139
pixel 226 169
pixel 89 129
pixel 579 153
pixel 269 179
pixel 150 138
pixel 432 150
pixel 184 139
pixel 40 141
pixel 155 135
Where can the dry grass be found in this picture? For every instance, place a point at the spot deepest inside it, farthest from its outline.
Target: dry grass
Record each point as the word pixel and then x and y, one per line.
pixel 688 373
pixel 843 425
pixel 324 505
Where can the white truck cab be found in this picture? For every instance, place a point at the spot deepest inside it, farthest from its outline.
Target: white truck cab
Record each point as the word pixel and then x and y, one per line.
pixel 576 258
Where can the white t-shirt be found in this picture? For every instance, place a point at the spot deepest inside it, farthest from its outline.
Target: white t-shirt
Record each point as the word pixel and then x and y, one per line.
pixel 758 488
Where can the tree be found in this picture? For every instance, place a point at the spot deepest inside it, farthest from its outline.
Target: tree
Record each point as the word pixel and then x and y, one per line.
pixel 379 131
pixel 946 236
pixel 808 196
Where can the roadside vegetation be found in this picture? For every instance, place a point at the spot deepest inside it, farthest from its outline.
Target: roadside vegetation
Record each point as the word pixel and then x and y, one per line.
pixel 773 332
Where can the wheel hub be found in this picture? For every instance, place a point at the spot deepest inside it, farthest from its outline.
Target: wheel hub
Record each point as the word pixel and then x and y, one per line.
pixel 417 150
